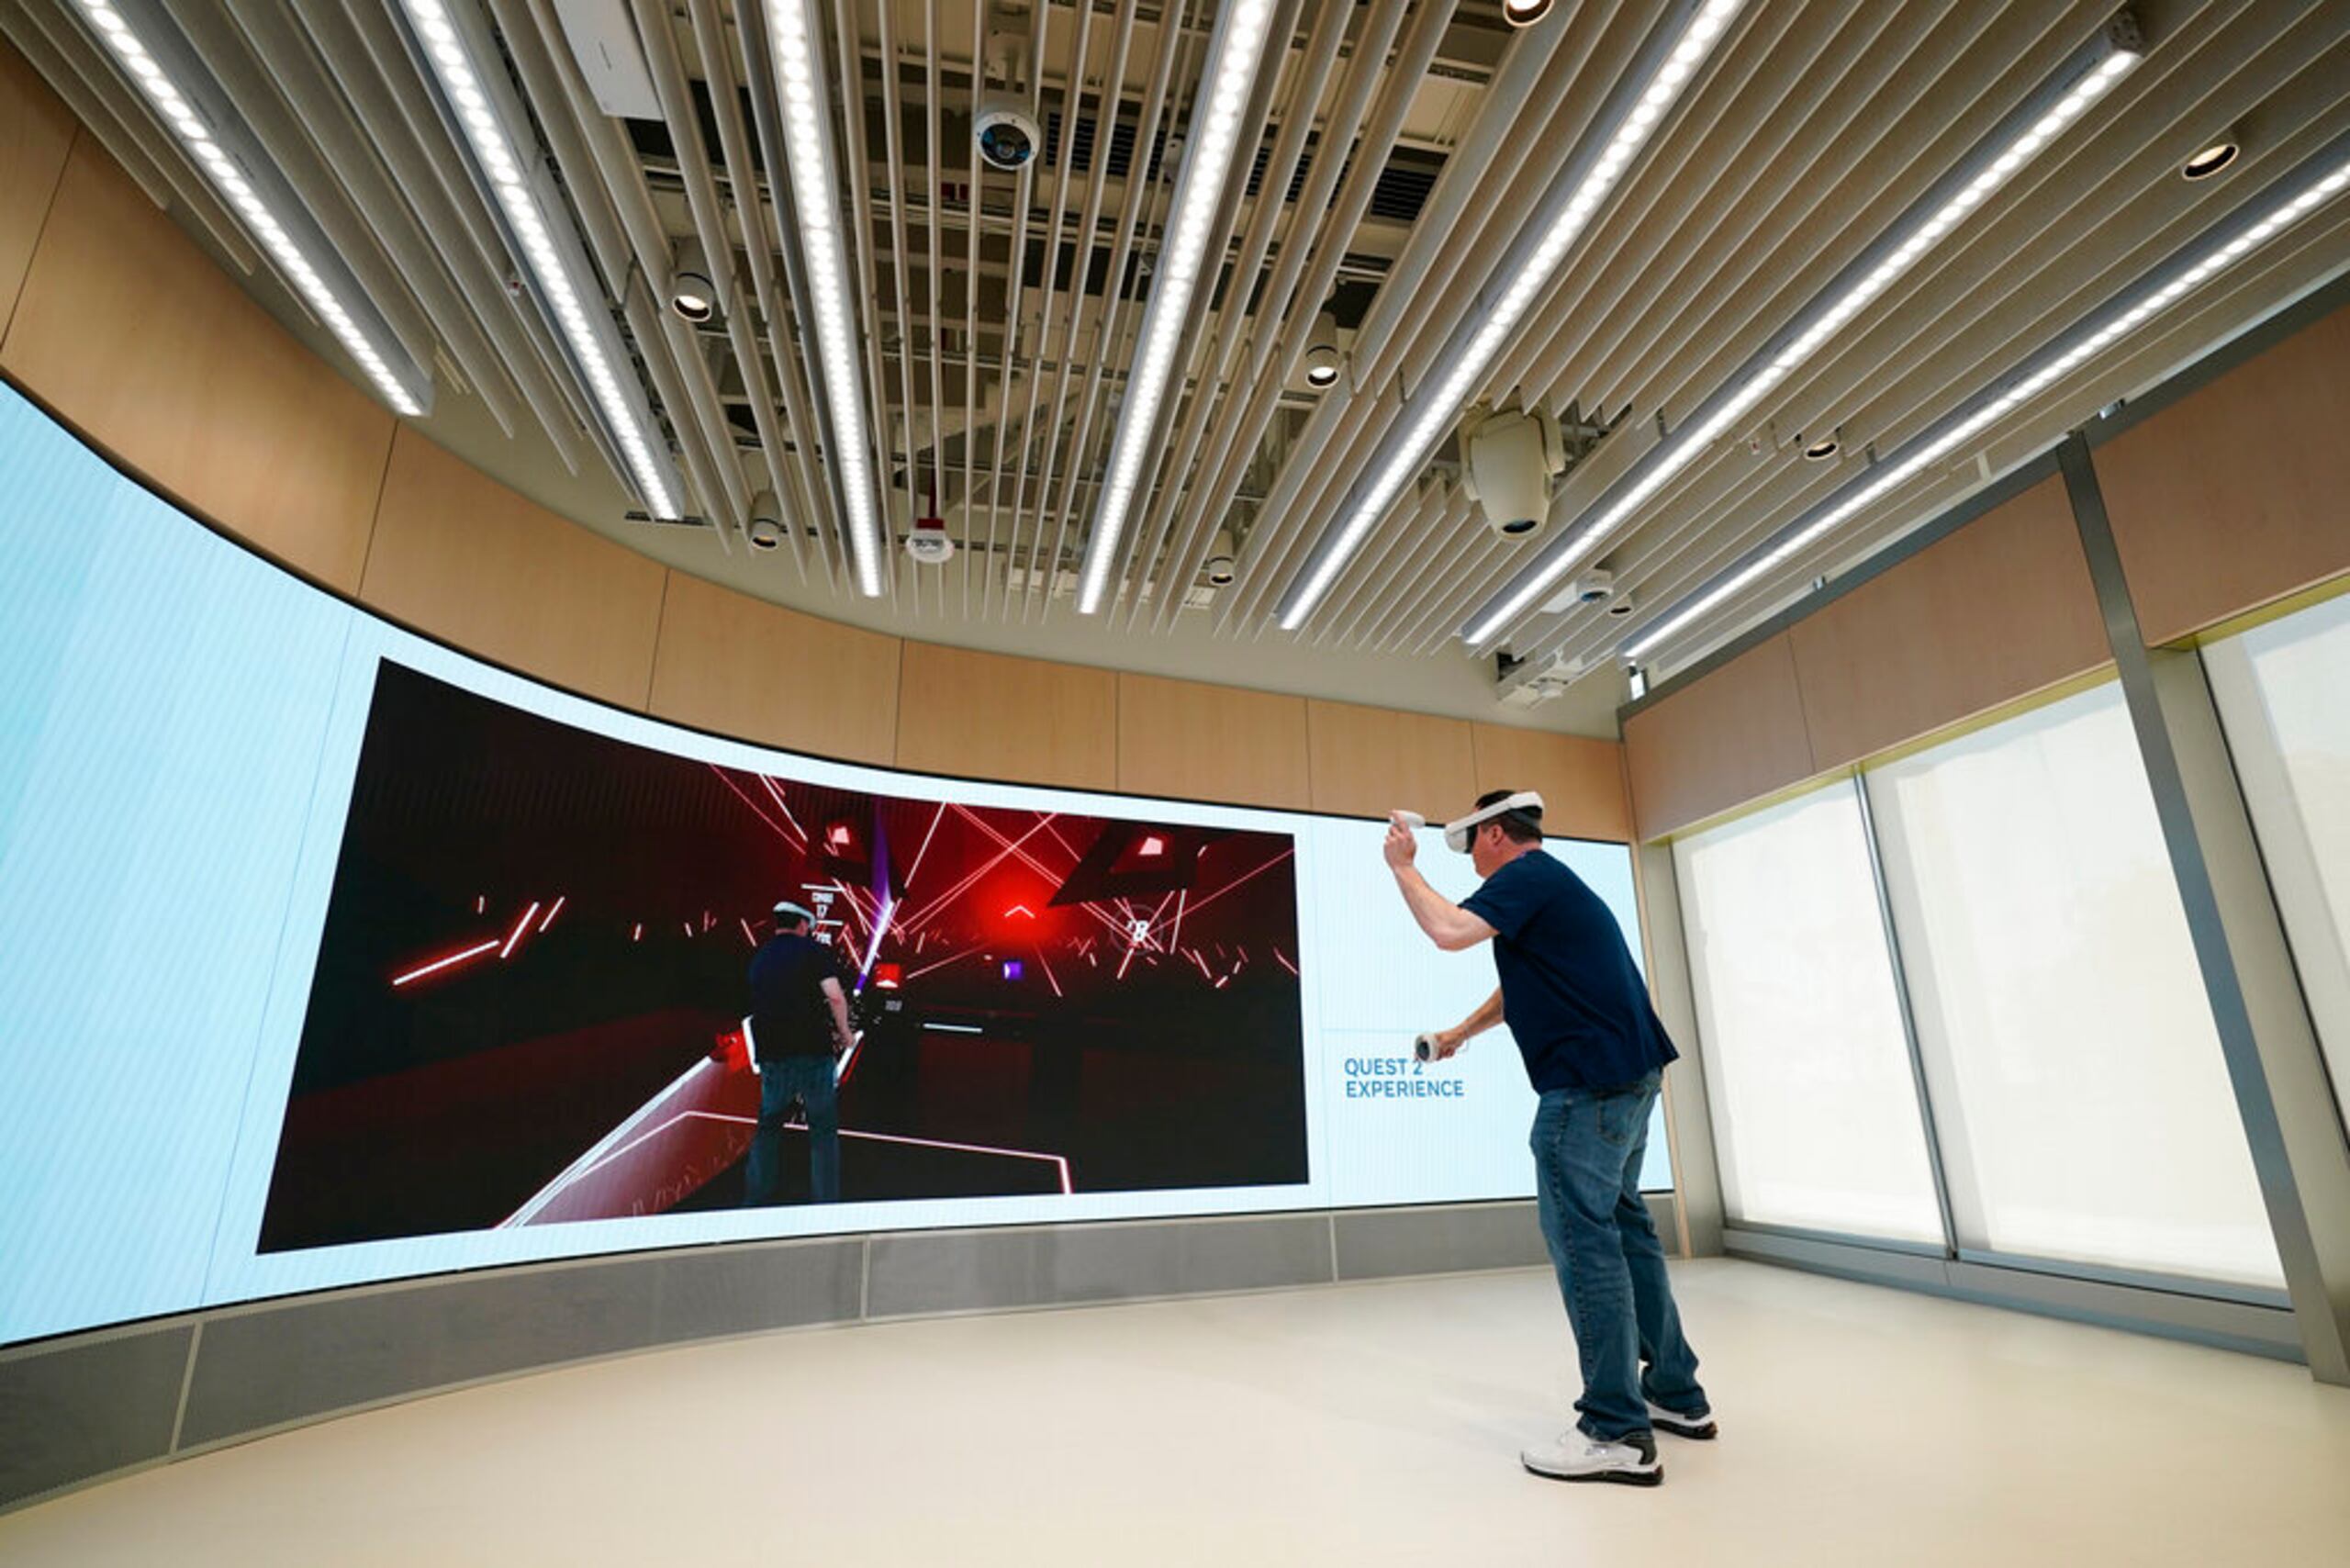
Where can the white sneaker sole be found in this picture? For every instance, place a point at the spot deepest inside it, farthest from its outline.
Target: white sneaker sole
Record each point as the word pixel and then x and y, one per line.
pixel 1651 1475
pixel 1702 1430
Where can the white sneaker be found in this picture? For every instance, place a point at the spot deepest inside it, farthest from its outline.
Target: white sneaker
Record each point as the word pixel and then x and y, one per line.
pixel 1700 1426
pixel 1577 1456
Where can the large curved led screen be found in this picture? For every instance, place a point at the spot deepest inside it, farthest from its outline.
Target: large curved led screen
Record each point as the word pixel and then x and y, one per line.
pixel 526 1005
pixel 329 955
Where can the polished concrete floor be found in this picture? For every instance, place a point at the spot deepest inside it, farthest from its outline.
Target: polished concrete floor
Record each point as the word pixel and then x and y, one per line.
pixel 1364 1424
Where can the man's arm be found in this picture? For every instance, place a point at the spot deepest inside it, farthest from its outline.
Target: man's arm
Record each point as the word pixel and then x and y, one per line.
pixel 1488 1014
pixel 1449 925
pixel 839 1000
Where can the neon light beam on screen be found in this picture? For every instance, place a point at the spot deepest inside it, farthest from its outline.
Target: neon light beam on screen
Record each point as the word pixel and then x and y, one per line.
pixel 1667 63
pixel 1234 52
pixel 489 118
pixel 450 961
pixel 173 78
pixel 795 39
pixel 2087 74
pixel 2285 203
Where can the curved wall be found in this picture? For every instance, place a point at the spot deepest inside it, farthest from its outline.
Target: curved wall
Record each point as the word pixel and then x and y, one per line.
pixel 118 324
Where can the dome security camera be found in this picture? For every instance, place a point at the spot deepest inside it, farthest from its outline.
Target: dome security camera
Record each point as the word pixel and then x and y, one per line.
pixel 1509 457
pixel 1007 133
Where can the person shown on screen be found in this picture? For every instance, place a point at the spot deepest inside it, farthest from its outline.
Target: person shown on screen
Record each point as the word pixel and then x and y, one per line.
pixel 1595 1053
pixel 798 1025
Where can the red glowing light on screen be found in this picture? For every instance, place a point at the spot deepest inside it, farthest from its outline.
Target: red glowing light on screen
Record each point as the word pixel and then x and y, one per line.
pixel 839 836
pixel 748 934
pixel 554 910
pixel 447 961
pixel 521 925
pixel 1153 846
pixel 1019 909
pixel 637 935
pixel 885 977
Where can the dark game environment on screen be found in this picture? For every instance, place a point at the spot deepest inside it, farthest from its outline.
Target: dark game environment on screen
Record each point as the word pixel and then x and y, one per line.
pixel 527 994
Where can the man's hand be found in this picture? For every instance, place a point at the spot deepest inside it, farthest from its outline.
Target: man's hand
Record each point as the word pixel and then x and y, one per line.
pixel 1399 846
pixel 1448 1042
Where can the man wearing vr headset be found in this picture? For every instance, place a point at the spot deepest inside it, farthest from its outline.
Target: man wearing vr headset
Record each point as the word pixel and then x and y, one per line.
pixel 1595 1052
pixel 798 1025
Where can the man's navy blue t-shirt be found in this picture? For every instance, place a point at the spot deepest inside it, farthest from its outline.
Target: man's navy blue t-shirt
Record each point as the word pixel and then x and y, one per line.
pixel 1571 993
pixel 789 1014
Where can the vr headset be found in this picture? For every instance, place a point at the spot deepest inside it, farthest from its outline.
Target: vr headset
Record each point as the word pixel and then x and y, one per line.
pixel 1525 806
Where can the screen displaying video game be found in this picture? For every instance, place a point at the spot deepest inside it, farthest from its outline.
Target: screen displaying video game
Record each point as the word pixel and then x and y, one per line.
pixel 527 1003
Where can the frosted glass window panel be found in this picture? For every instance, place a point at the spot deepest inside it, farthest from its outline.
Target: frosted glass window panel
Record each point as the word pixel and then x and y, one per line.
pixel 2280 689
pixel 1815 1116
pixel 2083 1103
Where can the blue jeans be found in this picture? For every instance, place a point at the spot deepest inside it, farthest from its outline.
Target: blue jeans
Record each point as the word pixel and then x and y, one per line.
pixel 808 1079
pixel 1587 1149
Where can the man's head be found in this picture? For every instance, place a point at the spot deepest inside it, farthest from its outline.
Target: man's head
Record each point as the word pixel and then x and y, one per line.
pixel 793 920
pixel 1506 834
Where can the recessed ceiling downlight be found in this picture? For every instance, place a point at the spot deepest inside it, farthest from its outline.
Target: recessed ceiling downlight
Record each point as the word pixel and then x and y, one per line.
pixel 2211 160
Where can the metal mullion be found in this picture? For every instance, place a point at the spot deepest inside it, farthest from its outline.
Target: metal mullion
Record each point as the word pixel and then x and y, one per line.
pixel 2243 955
pixel 1909 1016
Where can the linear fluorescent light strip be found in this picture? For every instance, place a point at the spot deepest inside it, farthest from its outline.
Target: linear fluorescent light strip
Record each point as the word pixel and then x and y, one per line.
pixel 1207 161
pixel 1910 239
pixel 808 155
pixel 1470 361
pixel 466 91
pixel 2325 177
pixel 225 174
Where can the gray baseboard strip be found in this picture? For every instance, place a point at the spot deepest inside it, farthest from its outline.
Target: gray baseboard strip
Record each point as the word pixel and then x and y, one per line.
pixel 82 1408
pixel 2175 1314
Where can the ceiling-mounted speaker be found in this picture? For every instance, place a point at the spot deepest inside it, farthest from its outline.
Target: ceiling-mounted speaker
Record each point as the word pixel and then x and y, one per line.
pixel 603 40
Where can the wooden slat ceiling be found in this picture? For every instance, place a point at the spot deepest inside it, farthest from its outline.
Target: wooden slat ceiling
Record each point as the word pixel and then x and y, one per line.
pixel 1399 147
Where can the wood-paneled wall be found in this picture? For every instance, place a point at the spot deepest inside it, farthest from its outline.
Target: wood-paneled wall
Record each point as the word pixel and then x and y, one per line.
pixel 129 331
pixel 2237 494
pixel 1581 779
pixel 459 555
pixel 1368 761
pixel 1190 741
pixel 36 130
pixel 1719 742
pixel 1999 609
pixel 994 716
pixel 743 666
pixel 125 327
